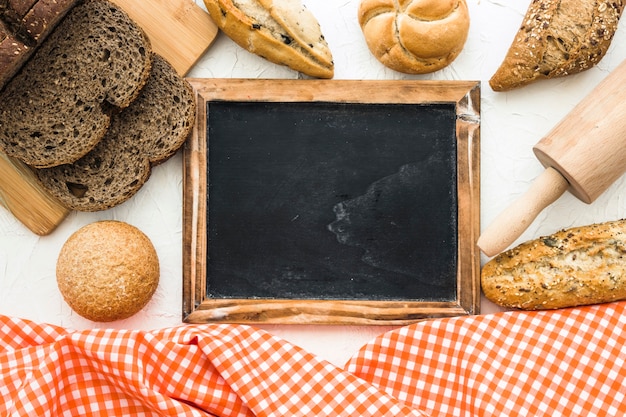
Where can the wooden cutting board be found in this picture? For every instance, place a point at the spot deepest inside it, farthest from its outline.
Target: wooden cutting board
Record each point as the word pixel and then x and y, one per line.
pixel 179 29
pixel 181 32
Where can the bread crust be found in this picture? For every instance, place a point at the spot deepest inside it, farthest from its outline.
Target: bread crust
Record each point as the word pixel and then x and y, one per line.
pixel 557 38
pixel 107 270
pixel 414 36
pixel 577 266
pixel 282 31
pixel 39 20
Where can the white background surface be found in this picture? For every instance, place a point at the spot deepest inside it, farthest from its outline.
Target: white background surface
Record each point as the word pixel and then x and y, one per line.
pixel 511 123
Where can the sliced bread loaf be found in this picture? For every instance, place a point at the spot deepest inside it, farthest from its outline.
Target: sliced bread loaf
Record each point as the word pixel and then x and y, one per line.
pixel 145 134
pixel 58 107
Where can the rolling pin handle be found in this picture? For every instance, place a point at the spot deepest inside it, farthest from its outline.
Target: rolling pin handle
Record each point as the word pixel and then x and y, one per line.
pixel 513 221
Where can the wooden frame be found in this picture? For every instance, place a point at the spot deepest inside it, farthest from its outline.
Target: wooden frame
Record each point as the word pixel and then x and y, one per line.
pixel 199 308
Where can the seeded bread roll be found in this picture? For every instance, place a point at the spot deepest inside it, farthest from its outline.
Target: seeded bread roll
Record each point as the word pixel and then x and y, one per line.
pixel 415 36
pixel 146 133
pixel 58 107
pixel 282 31
pixel 107 270
pixel 558 38
pixel 578 266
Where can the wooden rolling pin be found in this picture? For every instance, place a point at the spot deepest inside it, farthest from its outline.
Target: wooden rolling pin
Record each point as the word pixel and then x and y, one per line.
pixel 584 153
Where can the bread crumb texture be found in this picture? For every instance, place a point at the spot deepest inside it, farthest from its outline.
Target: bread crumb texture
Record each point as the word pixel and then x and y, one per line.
pixel 578 266
pixel 414 36
pixel 107 271
pixel 146 133
pixel 557 38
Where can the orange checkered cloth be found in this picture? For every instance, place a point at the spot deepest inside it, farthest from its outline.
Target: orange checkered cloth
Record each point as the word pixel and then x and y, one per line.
pixel 554 363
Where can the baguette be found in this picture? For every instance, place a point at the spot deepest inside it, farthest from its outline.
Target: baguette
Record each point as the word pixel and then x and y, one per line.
pixel 282 31
pixel 578 266
pixel 558 38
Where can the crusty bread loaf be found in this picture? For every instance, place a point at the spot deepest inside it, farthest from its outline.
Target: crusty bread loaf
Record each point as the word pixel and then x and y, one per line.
pixel 57 108
pixel 578 266
pixel 557 38
pixel 282 31
pixel 23 26
pixel 146 133
pixel 415 36
pixel 107 270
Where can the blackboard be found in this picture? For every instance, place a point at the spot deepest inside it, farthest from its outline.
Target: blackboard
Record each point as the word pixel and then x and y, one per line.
pixel 312 206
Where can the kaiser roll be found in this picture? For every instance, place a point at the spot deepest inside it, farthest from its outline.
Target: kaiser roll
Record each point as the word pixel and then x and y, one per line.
pixel 414 36
pixel 107 270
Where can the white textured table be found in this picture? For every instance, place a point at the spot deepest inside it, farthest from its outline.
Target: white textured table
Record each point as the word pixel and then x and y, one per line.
pixel 511 124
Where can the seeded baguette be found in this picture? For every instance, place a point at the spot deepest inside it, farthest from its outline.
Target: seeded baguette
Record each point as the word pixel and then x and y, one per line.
pixel 282 31
pixel 577 266
pixel 558 38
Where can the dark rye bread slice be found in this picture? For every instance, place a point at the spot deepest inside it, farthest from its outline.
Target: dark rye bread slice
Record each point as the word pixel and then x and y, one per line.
pixel 143 135
pixel 58 107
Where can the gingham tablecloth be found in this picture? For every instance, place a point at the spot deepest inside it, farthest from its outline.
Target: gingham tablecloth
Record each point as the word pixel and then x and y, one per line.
pixel 566 362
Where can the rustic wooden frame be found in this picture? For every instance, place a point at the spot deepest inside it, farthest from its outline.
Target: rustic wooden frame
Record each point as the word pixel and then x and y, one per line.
pixel 197 308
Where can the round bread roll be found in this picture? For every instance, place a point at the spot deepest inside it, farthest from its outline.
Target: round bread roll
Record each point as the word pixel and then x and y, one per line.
pixel 415 36
pixel 107 270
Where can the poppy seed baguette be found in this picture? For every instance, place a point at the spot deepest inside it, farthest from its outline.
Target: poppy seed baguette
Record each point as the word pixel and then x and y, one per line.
pixel 58 107
pixel 144 134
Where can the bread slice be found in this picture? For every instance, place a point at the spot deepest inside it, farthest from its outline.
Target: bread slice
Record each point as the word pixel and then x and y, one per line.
pixel 145 134
pixel 557 38
pixel 58 107
pixel 284 32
